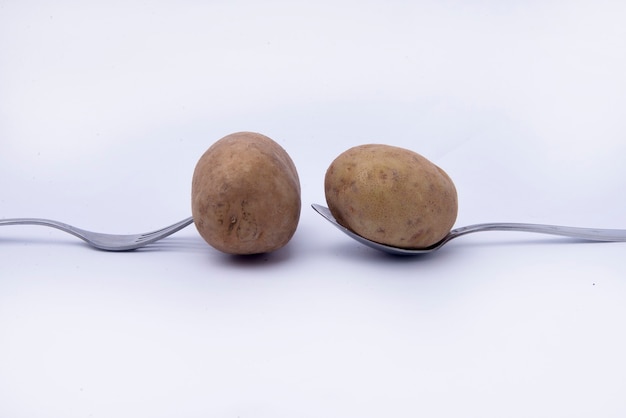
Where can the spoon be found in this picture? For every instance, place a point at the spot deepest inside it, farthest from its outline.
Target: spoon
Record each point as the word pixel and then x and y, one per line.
pixel 590 234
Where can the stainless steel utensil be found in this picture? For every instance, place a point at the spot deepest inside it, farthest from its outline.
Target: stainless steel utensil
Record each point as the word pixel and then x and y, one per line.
pixel 590 234
pixel 108 242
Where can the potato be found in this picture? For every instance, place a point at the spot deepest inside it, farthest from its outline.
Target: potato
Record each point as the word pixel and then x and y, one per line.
pixel 391 195
pixel 246 195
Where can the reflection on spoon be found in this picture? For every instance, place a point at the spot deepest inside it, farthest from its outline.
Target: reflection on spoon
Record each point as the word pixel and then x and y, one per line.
pixel 591 234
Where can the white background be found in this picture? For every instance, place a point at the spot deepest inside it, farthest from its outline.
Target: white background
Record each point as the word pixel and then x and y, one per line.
pixel 106 107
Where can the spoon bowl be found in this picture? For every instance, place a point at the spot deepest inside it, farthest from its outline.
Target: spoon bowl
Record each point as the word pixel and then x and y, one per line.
pixel 589 234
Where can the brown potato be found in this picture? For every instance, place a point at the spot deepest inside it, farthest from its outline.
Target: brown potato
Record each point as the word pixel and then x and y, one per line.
pixel 246 195
pixel 391 195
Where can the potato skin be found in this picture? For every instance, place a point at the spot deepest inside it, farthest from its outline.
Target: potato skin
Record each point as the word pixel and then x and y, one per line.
pixel 391 195
pixel 246 195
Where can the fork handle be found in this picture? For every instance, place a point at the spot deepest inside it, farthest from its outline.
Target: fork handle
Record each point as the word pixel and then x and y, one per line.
pixel 77 232
pixel 32 221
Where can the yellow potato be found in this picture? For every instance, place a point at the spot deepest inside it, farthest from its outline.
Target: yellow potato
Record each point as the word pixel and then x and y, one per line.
pixel 391 195
pixel 246 195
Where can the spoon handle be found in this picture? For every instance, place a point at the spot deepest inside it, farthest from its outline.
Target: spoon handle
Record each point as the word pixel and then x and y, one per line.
pixel 593 234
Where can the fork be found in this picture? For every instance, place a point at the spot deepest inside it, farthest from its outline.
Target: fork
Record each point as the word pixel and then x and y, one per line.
pixel 107 242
